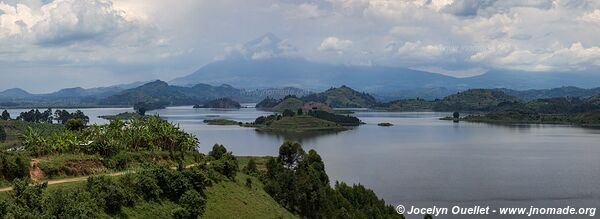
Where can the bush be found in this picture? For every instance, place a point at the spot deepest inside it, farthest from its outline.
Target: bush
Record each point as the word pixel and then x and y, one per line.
pixel 74 124
pixel 172 183
pixel 14 166
pixel 251 167
pixel 109 195
pixel 227 165
pixel 69 204
pixel 193 204
pixel 217 151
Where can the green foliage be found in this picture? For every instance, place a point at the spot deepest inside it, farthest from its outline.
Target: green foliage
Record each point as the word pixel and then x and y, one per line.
pixel 142 134
pixel 224 103
pixel 14 166
pixel 250 168
pixel 345 120
pixel 342 97
pixel 217 151
pixel 74 124
pixel 456 115
pixel 62 116
pixel 2 134
pixel 69 204
pixel 192 203
pixel 109 194
pixel 36 116
pixel 298 181
pixel 288 113
pixel 227 165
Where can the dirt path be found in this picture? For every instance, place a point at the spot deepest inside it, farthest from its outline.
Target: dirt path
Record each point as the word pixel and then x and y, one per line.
pixel 84 178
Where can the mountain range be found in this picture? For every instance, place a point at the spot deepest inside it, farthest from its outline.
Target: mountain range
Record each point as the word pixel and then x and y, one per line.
pixel 267 66
pixel 246 69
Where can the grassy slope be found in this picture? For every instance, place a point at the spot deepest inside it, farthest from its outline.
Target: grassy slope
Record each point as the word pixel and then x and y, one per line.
pixel 234 200
pixel 302 124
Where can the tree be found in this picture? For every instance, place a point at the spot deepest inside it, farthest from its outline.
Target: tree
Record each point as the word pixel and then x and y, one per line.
pixel 5 115
pixel 300 112
pixel 288 113
pixel 141 111
pixel 290 154
pixel 251 167
pixel 74 124
pixel 217 151
pixel 456 115
pixel 193 204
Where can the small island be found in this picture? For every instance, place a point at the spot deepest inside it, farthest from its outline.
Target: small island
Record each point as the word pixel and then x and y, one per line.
pixel 312 121
pixel 385 124
pixel 221 103
pixel 221 122
pixel 122 116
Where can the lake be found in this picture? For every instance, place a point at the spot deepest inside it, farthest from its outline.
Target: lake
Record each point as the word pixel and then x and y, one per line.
pixel 423 161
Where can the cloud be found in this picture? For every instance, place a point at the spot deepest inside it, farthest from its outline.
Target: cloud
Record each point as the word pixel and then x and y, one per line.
pixel 335 44
pixel 165 39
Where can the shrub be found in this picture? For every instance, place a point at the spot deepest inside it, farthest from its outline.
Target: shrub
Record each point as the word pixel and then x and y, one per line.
pixel 227 165
pixel 69 204
pixel 109 195
pixel 217 151
pixel 14 166
pixel 74 124
pixel 172 183
pixel 193 204
pixel 251 167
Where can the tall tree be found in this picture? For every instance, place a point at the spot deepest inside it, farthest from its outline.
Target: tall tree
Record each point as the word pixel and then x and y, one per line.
pixel 5 115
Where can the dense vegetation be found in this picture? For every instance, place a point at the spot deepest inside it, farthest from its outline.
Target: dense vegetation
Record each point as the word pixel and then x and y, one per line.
pixel 225 103
pixel 342 97
pixel 298 121
pixel 298 181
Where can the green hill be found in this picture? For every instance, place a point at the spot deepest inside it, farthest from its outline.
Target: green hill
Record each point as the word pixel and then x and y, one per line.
pixel 474 100
pixel 161 92
pixel 290 103
pixel 342 97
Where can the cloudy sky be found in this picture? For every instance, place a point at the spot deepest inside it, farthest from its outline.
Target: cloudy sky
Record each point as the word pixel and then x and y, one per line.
pixel 50 44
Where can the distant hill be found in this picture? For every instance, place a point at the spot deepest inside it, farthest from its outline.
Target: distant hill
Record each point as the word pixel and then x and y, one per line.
pixel 160 91
pixel 569 91
pixel 342 97
pixel 14 93
pixel 474 100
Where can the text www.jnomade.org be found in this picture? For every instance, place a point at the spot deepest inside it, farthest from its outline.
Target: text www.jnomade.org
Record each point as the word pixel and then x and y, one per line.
pixel 487 210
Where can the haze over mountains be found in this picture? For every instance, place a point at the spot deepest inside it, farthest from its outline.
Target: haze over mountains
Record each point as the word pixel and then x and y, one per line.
pixel 264 62
pixel 268 66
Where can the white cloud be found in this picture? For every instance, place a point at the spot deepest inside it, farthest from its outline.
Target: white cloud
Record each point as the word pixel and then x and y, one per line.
pixel 593 16
pixel 335 44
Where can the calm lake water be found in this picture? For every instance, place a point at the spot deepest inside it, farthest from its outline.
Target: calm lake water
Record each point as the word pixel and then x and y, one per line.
pixel 423 161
